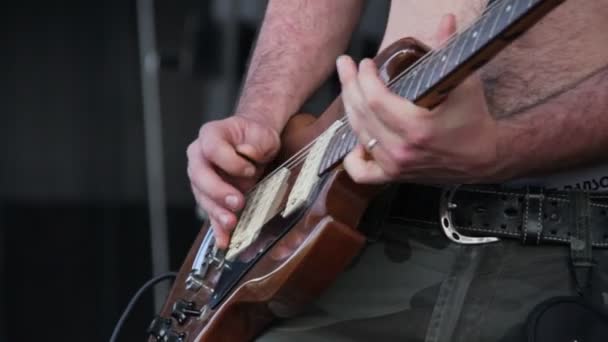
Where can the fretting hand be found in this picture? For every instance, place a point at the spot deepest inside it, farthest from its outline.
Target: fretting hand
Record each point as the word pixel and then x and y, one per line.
pixel 454 143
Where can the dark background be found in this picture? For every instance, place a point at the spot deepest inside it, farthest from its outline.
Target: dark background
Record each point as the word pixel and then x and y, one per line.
pixel 74 234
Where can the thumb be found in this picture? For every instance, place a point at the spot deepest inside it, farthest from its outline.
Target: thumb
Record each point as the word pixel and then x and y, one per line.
pixel 447 27
pixel 260 147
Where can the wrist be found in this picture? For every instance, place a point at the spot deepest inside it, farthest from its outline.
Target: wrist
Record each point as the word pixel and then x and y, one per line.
pixel 508 138
pixel 263 117
pixel 271 111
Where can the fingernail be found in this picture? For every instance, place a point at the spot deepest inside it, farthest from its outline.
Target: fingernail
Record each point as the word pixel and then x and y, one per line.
pixel 225 219
pixel 340 61
pixel 232 201
pixel 249 171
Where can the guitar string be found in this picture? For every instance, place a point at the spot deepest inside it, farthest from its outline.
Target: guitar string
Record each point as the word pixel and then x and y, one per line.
pixel 302 154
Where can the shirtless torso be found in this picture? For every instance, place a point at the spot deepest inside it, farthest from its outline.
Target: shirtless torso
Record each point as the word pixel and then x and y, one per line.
pixel 567 47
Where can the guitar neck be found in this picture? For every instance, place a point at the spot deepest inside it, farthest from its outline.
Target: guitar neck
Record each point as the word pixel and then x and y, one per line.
pixel 428 81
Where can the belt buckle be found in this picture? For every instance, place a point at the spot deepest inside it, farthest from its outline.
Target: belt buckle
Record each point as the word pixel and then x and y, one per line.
pixel 445 213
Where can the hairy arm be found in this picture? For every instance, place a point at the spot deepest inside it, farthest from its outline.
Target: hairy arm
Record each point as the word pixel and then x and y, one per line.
pixel 565 130
pixel 296 50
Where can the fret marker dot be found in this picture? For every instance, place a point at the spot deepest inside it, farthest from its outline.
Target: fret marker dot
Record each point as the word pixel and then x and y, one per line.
pixel 508 8
pixel 474 34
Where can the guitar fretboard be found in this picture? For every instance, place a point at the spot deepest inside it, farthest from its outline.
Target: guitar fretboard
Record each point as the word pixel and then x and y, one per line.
pixel 465 51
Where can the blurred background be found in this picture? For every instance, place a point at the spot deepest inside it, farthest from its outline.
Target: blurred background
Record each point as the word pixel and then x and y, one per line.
pixel 98 102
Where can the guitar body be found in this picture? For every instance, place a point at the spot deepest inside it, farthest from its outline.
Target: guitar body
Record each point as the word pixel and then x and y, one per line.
pixel 307 257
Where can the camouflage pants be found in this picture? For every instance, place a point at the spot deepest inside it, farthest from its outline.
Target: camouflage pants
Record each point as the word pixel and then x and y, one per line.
pixel 417 286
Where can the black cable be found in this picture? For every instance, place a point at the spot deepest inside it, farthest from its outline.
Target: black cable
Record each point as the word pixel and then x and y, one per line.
pixel 135 298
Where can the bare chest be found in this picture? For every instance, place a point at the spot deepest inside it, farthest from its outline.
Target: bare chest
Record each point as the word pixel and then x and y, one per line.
pixel 565 47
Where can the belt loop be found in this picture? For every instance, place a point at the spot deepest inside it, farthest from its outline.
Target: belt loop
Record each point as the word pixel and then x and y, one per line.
pixel 580 240
pixel 533 215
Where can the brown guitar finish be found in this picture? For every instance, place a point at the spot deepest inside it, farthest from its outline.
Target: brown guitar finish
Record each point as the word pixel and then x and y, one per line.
pixel 309 257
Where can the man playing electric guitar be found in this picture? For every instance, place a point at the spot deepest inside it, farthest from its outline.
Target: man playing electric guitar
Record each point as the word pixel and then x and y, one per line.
pixel 535 111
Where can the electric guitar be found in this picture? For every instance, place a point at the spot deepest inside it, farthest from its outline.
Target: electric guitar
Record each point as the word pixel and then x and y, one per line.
pixel 298 229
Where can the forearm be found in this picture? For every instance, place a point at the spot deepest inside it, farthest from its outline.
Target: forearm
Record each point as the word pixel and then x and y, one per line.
pixel 295 51
pixel 566 130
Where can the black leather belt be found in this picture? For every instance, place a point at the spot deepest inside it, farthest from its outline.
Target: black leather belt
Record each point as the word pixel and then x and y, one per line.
pixel 532 215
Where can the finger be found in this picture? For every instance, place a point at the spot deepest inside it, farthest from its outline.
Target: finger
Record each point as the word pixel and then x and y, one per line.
pixel 392 112
pixel 361 119
pixel 447 27
pixel 223 155
pixel 222 220
pixel 261 153
pixel 352 97
pixel 362 170
pixel 206 180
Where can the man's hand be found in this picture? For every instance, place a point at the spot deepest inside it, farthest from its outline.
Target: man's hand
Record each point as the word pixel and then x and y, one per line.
pixel 454 143
pixel 223 163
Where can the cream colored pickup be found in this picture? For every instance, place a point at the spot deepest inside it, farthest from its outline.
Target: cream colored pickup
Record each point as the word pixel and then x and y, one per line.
pixel 308 177
pixel 261 205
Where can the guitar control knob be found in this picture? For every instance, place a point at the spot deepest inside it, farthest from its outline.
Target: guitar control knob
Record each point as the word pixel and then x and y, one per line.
pixel 159 327
pixel 182 310
pixel 173 336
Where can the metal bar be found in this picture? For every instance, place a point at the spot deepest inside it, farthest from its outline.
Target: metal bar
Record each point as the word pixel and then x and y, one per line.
pixel 3 280
pixel 149 64
pixel 230 45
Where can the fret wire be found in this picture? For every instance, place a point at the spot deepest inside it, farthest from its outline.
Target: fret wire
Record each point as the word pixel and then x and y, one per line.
pixel 345 142
pixel 335 155
pixel 421 73
pixel 430 78
pixel 464 44
pixel 478 33
pixel 410 78
pixel 447 59
pixel 351 142
pixel 400 88
pixel 512 11
pixel 331 151
pixel 499 9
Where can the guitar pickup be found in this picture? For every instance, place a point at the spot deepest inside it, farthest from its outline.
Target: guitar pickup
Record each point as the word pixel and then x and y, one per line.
pixel 261 205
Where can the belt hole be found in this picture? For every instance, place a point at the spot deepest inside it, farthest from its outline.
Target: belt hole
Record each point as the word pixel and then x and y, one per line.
pixel 486 225
pixel 480 209
pixel 503 197
pixel 605 236
pixel 603 212
pixel 519 227
pixel 503 226
pixel 545 216
pixel 553 231
pixel 554 203
pixel 511 212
